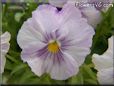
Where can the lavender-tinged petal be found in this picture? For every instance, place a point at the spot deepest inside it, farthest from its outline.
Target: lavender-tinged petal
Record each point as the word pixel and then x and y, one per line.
pixel 46 16
pixel 66 69
pixel 78 53
pixel 31 48
pixel 4 48
pixel 78 37
pixel 49 62
pixel 69 12
pixel 37 65
pixel 42 50
pixel 28 34
pixel 4 45
pixel 58 58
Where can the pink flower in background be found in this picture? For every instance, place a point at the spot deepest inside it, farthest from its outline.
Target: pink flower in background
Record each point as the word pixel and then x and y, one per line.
pixel 4 45
pixel 55 42
pixel 92 13
pixel 104 65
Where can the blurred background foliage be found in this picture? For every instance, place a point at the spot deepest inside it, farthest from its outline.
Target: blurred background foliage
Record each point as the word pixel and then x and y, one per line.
pixel 17 72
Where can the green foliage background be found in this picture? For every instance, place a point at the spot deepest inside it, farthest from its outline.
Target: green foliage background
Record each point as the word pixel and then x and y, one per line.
pixel 17 72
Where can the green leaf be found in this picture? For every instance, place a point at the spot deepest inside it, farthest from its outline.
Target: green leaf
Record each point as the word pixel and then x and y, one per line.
pixel 8 65
pixel 18 67
pixel 102 33
pixel 9 24
pixel 90 81
pixel 78 79
pixel 25 76
pixel 12 58
pixel 87 70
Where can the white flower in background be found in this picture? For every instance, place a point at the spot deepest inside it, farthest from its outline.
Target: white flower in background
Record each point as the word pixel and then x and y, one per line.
pixel 92 13
pixel 104 65
pixel 4 45
pixel 55 42
pixel 93 16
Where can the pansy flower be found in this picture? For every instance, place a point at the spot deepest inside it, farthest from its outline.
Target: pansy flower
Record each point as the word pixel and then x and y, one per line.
pixel 55 42
pixel 104 65
pixel 4 45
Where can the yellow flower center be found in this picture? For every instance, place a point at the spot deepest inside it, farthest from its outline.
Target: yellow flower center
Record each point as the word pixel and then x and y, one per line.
pixel 53 47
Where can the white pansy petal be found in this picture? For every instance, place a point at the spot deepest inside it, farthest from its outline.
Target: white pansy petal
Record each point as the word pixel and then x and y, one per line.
pixel 106 60
pixel 104 65
pixel 69 11
pixel 80 38
pixel 5 48
pixel 31 49
pixel 65 69
pixel 5 37
pixel 102 62
pixel 106 76
pixel 79 53
pixel 34 47
pixel 2 63
pixel 46 16
pixel 110 43
pixel 48 63
pixel 36 65
pixel 93 16
pixel 28 34
pixel 57 3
